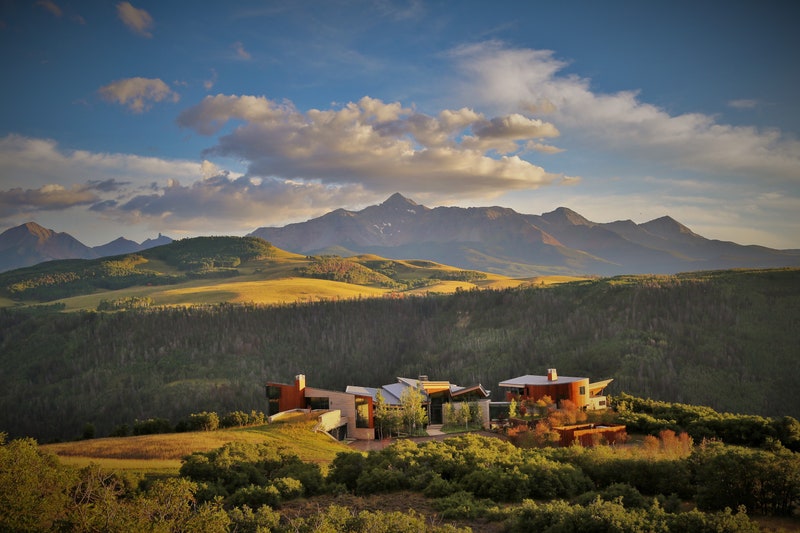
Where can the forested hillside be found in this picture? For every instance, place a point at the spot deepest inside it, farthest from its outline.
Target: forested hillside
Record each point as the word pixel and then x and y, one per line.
pixel 725 339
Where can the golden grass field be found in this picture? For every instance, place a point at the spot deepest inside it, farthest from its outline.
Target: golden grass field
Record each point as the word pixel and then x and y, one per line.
pixel 163 453
pixel 274 281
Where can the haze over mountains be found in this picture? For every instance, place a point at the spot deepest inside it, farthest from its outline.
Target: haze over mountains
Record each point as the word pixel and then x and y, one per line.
pixel 489 239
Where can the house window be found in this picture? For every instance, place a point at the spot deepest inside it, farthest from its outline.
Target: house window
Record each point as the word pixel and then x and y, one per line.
pixel 362 413
pixel 274 400
pixel 582 391
pixel 319 403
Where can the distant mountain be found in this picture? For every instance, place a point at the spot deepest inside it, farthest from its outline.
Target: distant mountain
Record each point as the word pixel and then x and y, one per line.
pixel 119 246
pixel 30 244
pixel 152 243
pixel 501 240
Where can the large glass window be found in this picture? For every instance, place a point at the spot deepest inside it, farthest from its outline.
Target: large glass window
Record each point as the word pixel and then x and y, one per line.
pixel 319 403
pixel 362 412
pixel 274 400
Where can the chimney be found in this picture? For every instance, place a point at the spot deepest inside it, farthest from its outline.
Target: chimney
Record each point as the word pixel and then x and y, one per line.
pixel 300 382
pixel 552 375
pixel 423 377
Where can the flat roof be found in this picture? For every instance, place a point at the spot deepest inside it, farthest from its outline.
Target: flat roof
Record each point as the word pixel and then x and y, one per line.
pixel 388 396
pixel 521 381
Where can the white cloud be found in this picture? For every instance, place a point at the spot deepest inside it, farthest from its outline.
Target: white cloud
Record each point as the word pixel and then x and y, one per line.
pixel 383 147
pixel 240 52
pixel 508 79
pixel 137 93
pixel 40 178
pixel 743 104
pixel 211 81
pixel 35 163
pixel 240 203
pixel 137 20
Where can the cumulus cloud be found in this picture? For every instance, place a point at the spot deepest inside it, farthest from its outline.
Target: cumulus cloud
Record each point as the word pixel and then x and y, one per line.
pixel 509 79
pixel 137 93
pixel 48 197
pixel 137 20
pixel 235 202
pixel 164 195
pixel 381 146
pixel 40 162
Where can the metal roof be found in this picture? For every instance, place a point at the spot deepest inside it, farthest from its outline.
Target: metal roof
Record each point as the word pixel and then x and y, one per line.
pixel 537 380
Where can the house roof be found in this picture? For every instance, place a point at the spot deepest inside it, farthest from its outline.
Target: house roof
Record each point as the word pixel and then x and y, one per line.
pixel 599 386
pixel 388 396
pixel 393 392
pixel 455 390
pixel 522 381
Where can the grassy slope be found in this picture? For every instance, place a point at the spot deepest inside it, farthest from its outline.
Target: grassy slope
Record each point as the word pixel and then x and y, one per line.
pixel 274 281
pixel 163 453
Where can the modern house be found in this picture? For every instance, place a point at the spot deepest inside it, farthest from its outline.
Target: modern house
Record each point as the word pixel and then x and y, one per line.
pixel 435 393
pixel 356 404
pixel 354 416
pixel 578 390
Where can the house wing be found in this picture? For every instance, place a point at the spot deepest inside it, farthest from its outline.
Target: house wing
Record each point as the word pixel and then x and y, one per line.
pixel 598 388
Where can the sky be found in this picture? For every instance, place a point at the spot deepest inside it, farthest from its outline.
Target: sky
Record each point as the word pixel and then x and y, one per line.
pixel 216 118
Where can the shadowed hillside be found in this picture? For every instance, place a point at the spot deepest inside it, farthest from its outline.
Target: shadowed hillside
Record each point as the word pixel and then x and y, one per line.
pixel 724 339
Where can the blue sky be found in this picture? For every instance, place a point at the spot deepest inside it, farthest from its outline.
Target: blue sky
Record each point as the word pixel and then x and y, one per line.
pixel 215 118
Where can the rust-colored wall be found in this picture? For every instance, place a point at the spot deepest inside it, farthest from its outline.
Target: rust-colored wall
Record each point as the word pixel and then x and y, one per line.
pixel 292 396
pixel 586 434
pixel 558 391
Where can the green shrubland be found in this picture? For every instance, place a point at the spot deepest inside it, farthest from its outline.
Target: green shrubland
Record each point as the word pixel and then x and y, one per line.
pixel 470 481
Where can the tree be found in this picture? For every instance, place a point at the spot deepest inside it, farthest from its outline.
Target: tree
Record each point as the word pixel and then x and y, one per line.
pixel 411 405
pixel 475 414
pixel 33 487
pixel 449 413
pixel 381 413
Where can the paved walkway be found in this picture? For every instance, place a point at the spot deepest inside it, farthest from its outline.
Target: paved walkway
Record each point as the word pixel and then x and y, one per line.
pixel 434 430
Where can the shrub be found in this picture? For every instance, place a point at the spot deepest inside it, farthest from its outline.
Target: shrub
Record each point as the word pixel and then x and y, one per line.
pixel 204 421
pixel 152 426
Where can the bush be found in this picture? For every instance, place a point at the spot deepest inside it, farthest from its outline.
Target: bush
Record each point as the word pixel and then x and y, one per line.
pixel 245 520
pixel 152 426
pixel 204 421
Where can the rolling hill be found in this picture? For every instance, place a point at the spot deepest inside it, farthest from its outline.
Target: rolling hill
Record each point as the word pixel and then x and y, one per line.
pixel 207 270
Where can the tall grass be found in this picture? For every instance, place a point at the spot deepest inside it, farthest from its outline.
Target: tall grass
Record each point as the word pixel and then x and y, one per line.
pixel 165 451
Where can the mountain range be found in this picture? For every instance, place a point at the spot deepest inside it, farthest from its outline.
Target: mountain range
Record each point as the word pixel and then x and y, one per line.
pixel 30 244
pixel 490 239
pixel 503 241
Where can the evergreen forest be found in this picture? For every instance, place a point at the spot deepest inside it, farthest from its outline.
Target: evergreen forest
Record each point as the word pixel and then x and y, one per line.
pixel 726 339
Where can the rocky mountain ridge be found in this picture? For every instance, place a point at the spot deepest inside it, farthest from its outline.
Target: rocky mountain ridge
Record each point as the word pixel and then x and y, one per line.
pixel 30 244
pixel 503 241
pixel 490 239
